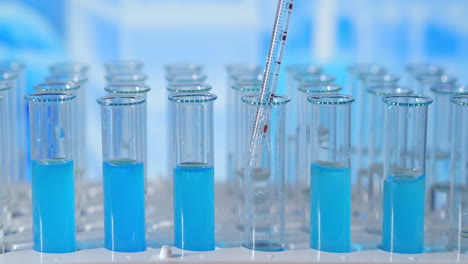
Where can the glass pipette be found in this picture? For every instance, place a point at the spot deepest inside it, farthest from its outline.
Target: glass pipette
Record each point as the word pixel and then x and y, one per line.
pixel 270 78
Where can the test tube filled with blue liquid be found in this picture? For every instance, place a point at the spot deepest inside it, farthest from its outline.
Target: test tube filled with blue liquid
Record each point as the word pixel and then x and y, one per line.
pixel 123 121
pixel 329 117
pixel 193 173
pixel 263 182
pixel 52 120
pixel 404 181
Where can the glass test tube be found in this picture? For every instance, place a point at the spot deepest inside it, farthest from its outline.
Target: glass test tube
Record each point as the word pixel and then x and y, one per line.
pixel 52 120
pixel 404 169
pixel 22 123
pixel 376 109
pixel 185 78
pixel 3 170
pixel 10 94
pixel 183 68
pixel 70 66
pixel 438 178
pixel 192 127
pixel 7 152
pixel 238 135
pixel 458 238
pixel 330 179
pixel 413 70
pixel 362 173
pixel 129 78
pixel 179 88
pixel 264 183
pixel 123 66
pixel 303 128
pixel 123 153
pixel 243 68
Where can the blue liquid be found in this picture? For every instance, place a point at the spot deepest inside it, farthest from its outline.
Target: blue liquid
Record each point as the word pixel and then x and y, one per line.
pixel 330 207
pixel 194 207
pixel 53 203
pixel 403 215
pixel 124 206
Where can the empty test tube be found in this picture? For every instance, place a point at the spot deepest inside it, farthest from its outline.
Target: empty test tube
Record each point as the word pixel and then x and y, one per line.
pixel 330 180
pixel 53 121
pixel 185 78
pixel 192 127
pixel 124 161
pixel 303 127
pixel 70 66
pixel 123 66
pixel 413 70
pixel 404 178
pixel 3 170
pixel 376 109
pixel 458 212
pixel 7 152
pixel 264 182
pixel 183 68
pixel 438 177
pixel 128 78
pixel 238 135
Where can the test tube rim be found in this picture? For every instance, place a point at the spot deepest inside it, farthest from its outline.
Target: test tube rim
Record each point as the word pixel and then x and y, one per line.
pixel 36 97
pixel 56 77
pixel 191 67
pixel 14 65
pixel 70 86
pixel 8 75
pixel 251 67
pixel 319 99
pixel 389 100
pixel 374 89
pixel 357 68
pixel 386 77
pixel 240 86
pixel 5 85
pixel 335 87
pixel 424 78
pixel 171 76
pixel 418 68
pixel 133 76
pixel 308 68
pixel 323 77
pixel 442 89
pixel 133 63
pixel 250 99
pixel 137 100
pixel 71 66
pixel 178 98
pixel 205 87
pixel 254 77
pixel 455 99
pixel 136 90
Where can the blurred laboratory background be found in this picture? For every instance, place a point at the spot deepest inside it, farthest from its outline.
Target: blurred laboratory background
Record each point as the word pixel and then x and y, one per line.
pixel 214 33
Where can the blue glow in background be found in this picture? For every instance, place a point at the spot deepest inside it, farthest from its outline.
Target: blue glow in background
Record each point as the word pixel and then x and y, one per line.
pixel 217 32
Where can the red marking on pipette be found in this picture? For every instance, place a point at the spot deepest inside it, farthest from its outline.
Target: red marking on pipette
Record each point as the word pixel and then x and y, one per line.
pixel 290 6
pixel 284 37
pixel 265 128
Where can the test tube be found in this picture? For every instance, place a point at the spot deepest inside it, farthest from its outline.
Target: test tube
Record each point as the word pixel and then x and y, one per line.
pixel 69 66
pixel 124 159
pixel 264 182
pixel 22 123
pixel 123 66
pixel 404 169
pixel 458 239
pixel 237 133
pixel 242 68
pixel 129 78
pixel 438 178
pixel 303 128
pixel 322 77
pixel 52 120
pixel 185 78
pixel 193 174
pixel 3 170
pixel 428 80
pixel 376 109
pixel 183 68
pixel 362 172
pixel 413 70
pixel 330 179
